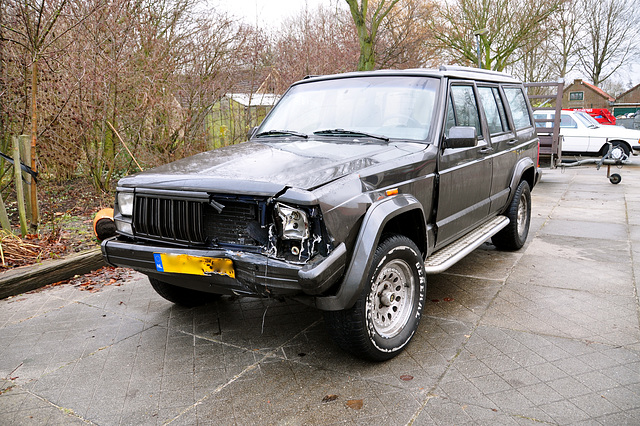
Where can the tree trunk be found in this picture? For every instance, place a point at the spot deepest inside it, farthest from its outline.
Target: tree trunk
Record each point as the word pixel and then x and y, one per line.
pixel 34 136
pixel 367 59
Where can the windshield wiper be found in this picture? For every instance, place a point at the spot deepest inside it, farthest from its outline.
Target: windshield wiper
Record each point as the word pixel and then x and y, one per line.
pixel 282 132
pixel 351 133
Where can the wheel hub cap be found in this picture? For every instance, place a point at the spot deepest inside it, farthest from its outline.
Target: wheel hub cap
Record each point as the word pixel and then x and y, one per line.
pixel 391 299
pixel 387 298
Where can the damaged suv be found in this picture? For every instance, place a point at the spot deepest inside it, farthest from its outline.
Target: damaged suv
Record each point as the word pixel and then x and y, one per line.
pixel 352 190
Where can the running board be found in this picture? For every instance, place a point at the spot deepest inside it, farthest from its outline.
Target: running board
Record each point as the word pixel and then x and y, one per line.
pixel 448 256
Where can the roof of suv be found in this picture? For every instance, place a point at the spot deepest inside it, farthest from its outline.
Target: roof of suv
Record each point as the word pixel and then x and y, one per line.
pixel 448 71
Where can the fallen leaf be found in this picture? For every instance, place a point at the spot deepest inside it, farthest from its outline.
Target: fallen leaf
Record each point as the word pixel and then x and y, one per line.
pixel 356 404
pixel 448 299
pixel 329 398
pixel 406 377
pixel 435 300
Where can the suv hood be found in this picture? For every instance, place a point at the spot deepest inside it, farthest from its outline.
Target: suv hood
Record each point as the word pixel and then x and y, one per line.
pixel 266 168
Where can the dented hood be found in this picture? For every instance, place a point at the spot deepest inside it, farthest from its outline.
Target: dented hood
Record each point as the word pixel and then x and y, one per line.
pixel 265 168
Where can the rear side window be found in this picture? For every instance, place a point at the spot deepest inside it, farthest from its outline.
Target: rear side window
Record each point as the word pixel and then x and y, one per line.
pixel 463 109
pixel 568 122
pixel 518 104
pixel 493 109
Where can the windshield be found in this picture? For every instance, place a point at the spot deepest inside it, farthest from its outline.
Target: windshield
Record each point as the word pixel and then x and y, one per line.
pixel 586 119
pixel 384 107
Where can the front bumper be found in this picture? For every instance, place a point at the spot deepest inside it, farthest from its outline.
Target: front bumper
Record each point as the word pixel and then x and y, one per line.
pixel 255 274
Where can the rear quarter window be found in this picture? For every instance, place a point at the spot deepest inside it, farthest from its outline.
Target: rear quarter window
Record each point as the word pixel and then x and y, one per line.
pixel 518 105
pixel 493 109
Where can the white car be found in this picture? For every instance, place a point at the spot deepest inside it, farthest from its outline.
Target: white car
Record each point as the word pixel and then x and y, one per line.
pixel 583 134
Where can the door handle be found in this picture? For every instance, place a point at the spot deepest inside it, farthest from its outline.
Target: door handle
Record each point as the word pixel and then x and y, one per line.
pixel 512 142
pixel 485 150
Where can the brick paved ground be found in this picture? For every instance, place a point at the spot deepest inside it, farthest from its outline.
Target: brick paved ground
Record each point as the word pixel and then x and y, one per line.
pixel 548 334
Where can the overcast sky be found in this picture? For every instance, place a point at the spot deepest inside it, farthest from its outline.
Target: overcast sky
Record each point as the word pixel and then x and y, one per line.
pixel 269 13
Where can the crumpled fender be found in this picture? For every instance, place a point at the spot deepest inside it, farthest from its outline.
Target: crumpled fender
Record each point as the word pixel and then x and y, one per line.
pixel 377 216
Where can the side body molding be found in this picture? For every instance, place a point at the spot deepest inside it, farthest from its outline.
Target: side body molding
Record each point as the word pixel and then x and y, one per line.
pixel 378 215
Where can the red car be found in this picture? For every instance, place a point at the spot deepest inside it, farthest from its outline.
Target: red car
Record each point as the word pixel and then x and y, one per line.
pixel 602 115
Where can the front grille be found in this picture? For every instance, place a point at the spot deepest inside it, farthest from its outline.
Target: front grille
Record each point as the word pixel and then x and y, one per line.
pixel 169 219
pixel 196 222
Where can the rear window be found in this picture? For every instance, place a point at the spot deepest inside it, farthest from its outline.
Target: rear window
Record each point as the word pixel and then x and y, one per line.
pixel 518 104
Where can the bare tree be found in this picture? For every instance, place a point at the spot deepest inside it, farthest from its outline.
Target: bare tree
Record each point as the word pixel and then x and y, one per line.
pixel 512 25
pixel 564 44
pixel 149 69
pixel 611 36
pixel 32 26
pixel 404 38
pixel 314 42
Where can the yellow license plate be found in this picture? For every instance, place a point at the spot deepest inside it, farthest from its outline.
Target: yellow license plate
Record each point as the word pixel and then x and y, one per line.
pixel 193 265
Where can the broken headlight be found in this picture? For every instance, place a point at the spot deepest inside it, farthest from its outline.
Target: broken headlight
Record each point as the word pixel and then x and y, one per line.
pixel 294 223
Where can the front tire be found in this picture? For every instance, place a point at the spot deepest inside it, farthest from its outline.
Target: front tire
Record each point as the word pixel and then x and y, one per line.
pixel 387 313
pixel 514 235
pixel 180 295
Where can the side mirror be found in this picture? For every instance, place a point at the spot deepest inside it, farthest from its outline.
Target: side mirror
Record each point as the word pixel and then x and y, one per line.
pixel 461 137
pixel 252 132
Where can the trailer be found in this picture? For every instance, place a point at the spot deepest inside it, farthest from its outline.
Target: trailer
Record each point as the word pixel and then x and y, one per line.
pixel 548 96
pixel 614 157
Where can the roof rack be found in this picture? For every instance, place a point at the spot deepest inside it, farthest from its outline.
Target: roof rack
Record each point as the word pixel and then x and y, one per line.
pixel 470 69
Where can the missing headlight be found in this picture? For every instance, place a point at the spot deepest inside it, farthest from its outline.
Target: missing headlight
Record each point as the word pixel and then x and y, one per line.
pixel 294 222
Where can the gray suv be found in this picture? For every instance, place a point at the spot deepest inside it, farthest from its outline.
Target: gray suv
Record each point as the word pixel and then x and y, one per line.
pixel 352 190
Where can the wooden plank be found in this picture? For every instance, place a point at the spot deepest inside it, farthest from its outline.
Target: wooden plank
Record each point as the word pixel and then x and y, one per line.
pixel 26 278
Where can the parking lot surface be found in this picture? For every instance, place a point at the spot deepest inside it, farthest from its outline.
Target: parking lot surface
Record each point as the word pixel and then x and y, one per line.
pixel 549 334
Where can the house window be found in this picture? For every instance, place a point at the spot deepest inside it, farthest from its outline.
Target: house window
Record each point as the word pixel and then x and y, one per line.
pixel 576 96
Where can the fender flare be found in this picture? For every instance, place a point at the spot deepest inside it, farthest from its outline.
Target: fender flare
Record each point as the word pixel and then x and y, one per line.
pixel 375 219
pixel 519 170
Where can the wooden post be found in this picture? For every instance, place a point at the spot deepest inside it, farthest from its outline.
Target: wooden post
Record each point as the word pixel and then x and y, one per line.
pixel 4 218
pixel 17 173
pixel 25 157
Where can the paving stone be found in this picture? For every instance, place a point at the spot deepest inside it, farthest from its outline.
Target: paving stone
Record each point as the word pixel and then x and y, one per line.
pixel 548 334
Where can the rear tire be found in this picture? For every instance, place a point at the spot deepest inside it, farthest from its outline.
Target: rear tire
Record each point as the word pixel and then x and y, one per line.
pixel 514 235
pixel 387 312
pixel 180 295
pixel 623 146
